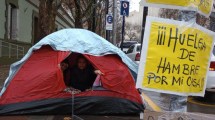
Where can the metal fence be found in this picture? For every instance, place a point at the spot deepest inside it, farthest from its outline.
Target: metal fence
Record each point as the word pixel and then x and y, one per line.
pixel 11 50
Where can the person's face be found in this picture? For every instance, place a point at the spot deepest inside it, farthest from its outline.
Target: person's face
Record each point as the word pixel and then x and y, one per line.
pixel 64 66
pixel 82 63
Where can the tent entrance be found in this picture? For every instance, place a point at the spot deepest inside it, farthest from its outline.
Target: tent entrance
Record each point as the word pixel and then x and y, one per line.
pixel 75 76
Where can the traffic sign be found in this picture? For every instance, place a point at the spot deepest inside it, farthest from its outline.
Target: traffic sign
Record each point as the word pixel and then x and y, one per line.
pixel 109 22
pixel 110 19
pixel 124 8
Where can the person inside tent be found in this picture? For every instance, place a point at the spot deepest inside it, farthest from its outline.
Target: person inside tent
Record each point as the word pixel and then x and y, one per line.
pixel 81 76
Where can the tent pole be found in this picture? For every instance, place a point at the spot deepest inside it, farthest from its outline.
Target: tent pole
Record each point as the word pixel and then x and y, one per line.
pixel 73 104
pixel 74 117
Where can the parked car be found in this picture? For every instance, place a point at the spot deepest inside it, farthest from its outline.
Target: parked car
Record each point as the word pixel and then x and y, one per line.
pixel 126 45
pixel 134 52
pixel 211 73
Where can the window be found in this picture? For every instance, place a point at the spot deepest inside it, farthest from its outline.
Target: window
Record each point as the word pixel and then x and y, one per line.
pixel 36 30
pixel 214 50
pixel 128 44
pixel 12 22
pixel 130 50
pixel 56 27
pixel 138 48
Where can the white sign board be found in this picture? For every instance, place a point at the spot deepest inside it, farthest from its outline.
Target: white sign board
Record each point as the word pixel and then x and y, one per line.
pixel 109 22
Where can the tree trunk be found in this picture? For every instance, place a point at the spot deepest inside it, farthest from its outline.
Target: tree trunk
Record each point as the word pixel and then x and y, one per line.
pixel 78 18
pixel 47 15
pixel 94 17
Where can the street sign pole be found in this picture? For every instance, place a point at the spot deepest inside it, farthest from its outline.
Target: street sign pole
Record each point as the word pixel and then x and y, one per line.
pixel 145 13
pixel 123 31
pixel 109 25
pixel 107 31
pixel 107 35
pixel 124 11
pixel 114 22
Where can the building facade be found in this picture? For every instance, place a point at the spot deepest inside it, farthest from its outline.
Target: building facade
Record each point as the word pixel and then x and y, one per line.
pixel 135 19
pixel 19 26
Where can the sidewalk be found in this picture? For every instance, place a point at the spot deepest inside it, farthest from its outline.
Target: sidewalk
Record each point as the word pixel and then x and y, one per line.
pixel 4 71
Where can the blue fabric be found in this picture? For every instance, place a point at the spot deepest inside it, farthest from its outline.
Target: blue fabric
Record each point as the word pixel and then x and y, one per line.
pixel 75 40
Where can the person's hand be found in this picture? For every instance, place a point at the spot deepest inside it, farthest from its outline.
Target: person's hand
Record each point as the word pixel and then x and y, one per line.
pixel 72 90
pixel 98 72
pixel 76 91
pixel 88 89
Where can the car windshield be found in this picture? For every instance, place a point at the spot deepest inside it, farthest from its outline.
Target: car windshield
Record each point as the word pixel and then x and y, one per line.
pixel 138 48
pixel 128 44
pixel 214 50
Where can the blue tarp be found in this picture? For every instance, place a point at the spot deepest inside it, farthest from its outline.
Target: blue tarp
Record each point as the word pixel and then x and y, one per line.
pixel 75 40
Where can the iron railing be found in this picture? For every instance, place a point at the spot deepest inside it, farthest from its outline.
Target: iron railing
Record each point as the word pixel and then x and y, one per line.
pixel 11 50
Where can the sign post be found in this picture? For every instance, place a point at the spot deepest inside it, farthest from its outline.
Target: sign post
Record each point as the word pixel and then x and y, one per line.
pixel 109 22
pixel 124 11
pixel 124 8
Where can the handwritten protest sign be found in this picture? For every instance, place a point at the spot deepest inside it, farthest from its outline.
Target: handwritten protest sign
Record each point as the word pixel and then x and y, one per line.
pixel 202 6
pixel 175 57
